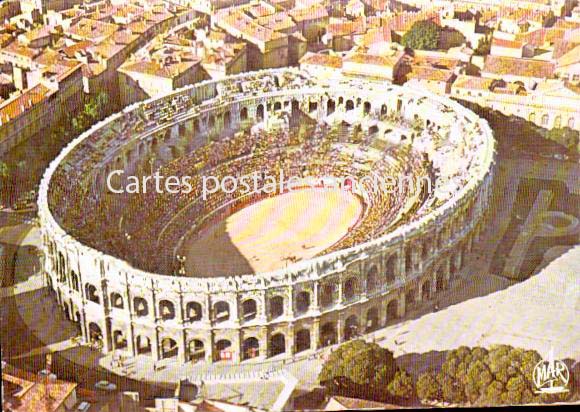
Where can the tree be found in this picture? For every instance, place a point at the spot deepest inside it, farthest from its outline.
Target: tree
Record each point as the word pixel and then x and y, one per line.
pixel 423 35
pixel 565 136
pixel 428 388
pixel 358 369
pixel 483 47
pixel 402 385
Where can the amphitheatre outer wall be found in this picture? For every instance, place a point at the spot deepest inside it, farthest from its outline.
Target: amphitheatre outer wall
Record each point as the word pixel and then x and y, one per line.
pixel 304 307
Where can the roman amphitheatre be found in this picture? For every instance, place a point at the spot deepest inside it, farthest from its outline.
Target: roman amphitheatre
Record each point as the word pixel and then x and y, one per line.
pixel 238 276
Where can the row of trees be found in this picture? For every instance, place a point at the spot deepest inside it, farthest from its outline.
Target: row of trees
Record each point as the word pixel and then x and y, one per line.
pixel 501 375
pixel 27 162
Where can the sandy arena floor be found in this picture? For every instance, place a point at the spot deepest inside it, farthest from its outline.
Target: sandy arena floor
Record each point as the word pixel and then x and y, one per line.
pixel 270 234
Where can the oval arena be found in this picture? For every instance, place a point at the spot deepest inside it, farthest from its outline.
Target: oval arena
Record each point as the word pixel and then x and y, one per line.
pixel 241 276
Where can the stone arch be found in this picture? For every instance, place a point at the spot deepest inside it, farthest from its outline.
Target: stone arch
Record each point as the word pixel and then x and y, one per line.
pixel 91 293
pixel 409 259
pixel 260 112
pixel 350 288
pixel 119 339
pixel 571 122
pixel 367 108
pixel 249 309
pixel 117 300
pixel 384 110
pixel 532 117
pixel 244 114
pixel 328 335
pixel 391 269
pixel 340 100
pixel 372 318
pixel 211 121
pixel 193 311
pixel 143 345
pixel 302 302
pixel 312 106
pixel 223 349
pixel 558 122
pixel 349 105
pixel 75 281
pixel 95 333
pixel 392 310
pixel 169 348
pixel 327 294
pixel 221 311
pixel 410 297
pixel 426 291
pixel 227 119
pixel 277 106
pixel 330 106
pixel 140 306
pixel 277 344
pixel 545 119
pixel 276 307
pixel 302 341
pixel 351 327
pixel 372 279
pixel 166 309
pixel 195 350
pixel 440 280
pixel 425 250
pixel 250 348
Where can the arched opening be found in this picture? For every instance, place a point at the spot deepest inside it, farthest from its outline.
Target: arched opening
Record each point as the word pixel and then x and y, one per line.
pixel 211 122
pixel 119 340
pixel 167 310
pixel 95 334
pixel 277 106
pixel 260 112
pixel 66 310
pixel 384 110
pixel 227 119
pixel 351 327
pixel 91 293
pixel 302 340
pixel 295 107
pixel 409 260
pixel 169 348
pixel 372 279
pixel 75 281
pixel 249 309
pixel 440 280
pixel 571 123
pixel 426 291
pixel 545 119
pixel 349 105
pixel 221 311
pixel 350 289
pixel 330 107
pixel 391 269
pixel 116 300
pixel 392 310
pixel 312 107
pixel 328 334
pixel 340 100
pixel 410 298
pixel 425 250
pixel 367 108
pixel 250 348
pixel 302 302
pixel 195 350
pixel 141 307
pixel 277 344
pixel 143 345
pixel 193 311
pixel 372 319
pixel 276 307
pixel 327 295
pixel 223 350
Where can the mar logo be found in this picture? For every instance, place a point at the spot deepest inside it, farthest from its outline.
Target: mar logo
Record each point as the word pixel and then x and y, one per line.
pixel 551 376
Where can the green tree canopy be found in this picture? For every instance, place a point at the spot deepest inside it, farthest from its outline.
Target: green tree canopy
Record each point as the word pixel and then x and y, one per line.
pixel 358 369
pixel 423 35
pixel 428 387
pixel 565 136
pixel 402 385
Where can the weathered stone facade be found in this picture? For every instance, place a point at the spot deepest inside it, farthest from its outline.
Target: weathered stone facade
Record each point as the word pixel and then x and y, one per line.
pixel 306 306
